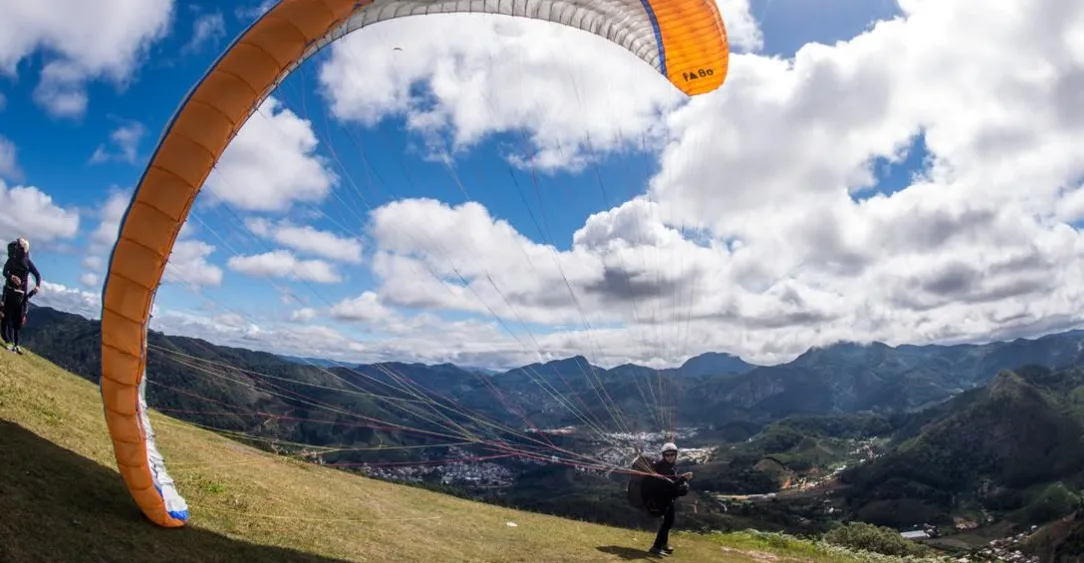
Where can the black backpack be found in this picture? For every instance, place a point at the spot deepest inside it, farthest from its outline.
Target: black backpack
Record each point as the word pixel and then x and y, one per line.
pixel 656 505
pixel 635 487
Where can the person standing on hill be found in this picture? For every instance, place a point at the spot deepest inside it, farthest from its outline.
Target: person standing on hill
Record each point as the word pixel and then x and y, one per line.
pixel 17 271
pixel 661 492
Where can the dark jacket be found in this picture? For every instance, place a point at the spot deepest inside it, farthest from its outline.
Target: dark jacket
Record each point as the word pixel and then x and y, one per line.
pixel 22 267
pixel 661 490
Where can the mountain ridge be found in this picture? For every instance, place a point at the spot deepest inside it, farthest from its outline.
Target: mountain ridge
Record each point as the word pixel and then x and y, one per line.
pixel 1003 447
pixel 843 377
pixel 723 363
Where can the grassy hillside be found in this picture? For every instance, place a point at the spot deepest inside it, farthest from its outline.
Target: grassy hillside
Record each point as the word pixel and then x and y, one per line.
pixel 62 500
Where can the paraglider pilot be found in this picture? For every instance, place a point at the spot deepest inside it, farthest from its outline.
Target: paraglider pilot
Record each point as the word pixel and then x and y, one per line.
pixel 661 492
pixel 17 271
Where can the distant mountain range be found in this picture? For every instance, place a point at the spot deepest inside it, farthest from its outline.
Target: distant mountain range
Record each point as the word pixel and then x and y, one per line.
pixel 310 361
pixel 845 377
pixel 711 363
pixel 710 389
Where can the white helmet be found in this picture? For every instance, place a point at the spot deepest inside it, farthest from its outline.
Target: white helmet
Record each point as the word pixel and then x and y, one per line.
pixel 669 447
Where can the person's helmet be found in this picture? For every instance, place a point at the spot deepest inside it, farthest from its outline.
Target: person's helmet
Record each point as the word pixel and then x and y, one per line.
pixel 669 447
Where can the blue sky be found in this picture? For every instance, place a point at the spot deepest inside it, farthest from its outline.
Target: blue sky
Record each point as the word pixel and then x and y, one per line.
pixel 790 24
pixel 55 155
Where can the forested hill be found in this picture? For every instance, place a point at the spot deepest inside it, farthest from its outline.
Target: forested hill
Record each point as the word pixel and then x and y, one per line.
pixel 1013 449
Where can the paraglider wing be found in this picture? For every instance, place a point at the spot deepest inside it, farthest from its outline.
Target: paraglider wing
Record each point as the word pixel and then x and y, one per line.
pixel 684 40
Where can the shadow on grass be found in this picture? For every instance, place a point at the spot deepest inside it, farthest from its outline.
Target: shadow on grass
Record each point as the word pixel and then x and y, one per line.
pixel 56 505
pixel 627 553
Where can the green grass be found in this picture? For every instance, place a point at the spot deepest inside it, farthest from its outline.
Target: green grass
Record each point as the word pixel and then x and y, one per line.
pixel 61 499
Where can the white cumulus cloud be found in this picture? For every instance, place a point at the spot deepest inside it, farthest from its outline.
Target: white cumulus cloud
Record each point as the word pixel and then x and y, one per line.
pixel 27 211
pixel 271 163
pixel 9 166
pixel 365 307
pixel 188 265
pixel 284 264
pixel 61 297
pixel 208 29
pixel 81 41
pixel 124 141
pixel 570 90
pixel 309 240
